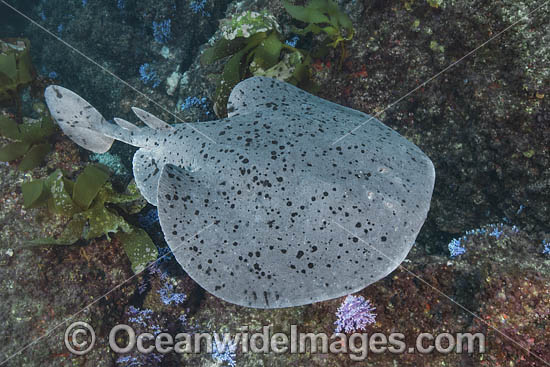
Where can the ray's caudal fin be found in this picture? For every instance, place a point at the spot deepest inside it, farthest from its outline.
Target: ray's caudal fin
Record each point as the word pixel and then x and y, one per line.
pixel 84 125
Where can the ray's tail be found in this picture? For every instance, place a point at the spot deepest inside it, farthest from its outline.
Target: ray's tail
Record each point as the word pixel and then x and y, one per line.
pixel 81 122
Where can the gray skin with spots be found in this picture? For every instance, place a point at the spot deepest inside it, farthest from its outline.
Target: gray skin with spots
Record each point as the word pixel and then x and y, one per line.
pixel 262 208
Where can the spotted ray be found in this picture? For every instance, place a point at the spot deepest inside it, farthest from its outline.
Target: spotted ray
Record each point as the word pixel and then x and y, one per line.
pixel 272 213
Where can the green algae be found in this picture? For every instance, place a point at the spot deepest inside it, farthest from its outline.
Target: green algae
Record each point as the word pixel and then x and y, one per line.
pixel 255 46
pixel 85 202
pixel 30 139
pixel 323 16
pixel 15 67
pixel 253 42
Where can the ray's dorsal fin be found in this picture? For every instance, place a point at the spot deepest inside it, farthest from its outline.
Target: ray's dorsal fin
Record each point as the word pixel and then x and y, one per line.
pixel 78 119
pixel 126 125
pixel 151 120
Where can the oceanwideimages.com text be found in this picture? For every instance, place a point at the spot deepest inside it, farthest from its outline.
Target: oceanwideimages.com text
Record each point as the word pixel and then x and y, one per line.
pixel 123 339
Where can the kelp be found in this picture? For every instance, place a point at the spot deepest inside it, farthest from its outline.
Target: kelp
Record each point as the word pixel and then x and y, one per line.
pixel 322 16
pixel 91 204
pixel 30 139
pixel 255 46
pixel 15 67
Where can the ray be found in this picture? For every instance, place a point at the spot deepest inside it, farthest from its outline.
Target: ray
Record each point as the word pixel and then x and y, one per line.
pixel 269 184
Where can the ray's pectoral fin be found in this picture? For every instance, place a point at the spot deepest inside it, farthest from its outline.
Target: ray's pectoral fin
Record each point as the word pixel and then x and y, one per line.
pixel 179 195
pixel 261 94
pixel 212 241
pixel 193 219
pixel 147 169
